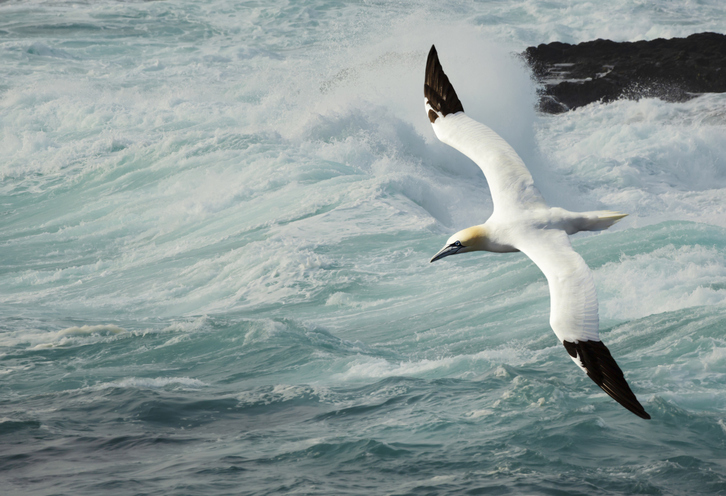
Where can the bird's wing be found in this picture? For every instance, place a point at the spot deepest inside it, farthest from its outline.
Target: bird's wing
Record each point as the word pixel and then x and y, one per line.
pixel 510 183
pixel 573 312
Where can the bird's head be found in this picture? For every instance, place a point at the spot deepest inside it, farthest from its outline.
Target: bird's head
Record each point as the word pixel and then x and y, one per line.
pixel 470 239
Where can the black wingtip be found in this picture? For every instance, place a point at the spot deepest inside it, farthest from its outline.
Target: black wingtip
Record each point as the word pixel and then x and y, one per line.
pixel 604 371
pixel 438 90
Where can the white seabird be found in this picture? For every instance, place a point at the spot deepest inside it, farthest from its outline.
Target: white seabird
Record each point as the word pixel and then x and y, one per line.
pixel 522 221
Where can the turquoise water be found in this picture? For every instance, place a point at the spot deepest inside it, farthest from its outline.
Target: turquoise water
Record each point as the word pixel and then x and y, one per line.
pixel 216 226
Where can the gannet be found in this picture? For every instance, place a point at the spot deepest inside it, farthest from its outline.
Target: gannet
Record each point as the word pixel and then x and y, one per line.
pixel 522 221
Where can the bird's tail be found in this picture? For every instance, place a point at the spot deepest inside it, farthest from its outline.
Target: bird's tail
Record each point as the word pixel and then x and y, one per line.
pixel 598 220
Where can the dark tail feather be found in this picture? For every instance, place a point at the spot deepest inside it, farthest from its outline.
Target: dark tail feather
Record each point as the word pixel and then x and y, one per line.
pixel 438 90
pixel 601 368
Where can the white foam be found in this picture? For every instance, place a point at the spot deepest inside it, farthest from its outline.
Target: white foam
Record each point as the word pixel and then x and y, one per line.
pixel 664 280
pixel 479 413
pixel 153 383
pixel 652 159
pixel 461 365
pixel 86 330
pixel 281 393
pixel 71 334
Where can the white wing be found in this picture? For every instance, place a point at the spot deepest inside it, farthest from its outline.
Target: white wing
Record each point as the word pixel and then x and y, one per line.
pixel 573 312
pixel 573 298
pixel 510 183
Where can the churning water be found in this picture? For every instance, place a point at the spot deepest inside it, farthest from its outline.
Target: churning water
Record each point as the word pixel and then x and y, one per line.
pixel 215 226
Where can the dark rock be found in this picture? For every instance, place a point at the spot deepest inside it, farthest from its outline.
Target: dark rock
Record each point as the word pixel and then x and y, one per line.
pixel 602 70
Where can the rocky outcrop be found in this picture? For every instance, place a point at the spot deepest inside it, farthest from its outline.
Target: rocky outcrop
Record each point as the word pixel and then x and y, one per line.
pixel 674 70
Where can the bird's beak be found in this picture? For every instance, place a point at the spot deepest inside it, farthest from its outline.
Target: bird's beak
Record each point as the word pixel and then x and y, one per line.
pixel 445 252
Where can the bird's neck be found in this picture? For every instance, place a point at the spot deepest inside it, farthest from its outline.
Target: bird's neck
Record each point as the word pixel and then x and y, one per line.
pixel 487 237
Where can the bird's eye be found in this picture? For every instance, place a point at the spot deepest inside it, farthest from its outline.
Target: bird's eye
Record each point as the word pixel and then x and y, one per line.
pixel 457 243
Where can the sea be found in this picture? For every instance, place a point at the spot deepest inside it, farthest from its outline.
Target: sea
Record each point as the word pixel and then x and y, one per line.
pixel 216 220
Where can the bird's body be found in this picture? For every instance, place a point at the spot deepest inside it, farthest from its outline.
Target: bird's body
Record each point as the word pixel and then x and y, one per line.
pixel 522 221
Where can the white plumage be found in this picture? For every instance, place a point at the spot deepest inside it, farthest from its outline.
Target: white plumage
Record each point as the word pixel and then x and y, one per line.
pixel 522 221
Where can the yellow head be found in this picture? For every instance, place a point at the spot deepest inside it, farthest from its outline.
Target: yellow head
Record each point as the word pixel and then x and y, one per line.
pixel 470 239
